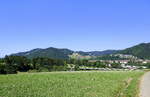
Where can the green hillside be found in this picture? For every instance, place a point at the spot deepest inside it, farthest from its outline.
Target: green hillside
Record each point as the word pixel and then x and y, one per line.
pixel 56 53
pixel 142 51
pixel 49 52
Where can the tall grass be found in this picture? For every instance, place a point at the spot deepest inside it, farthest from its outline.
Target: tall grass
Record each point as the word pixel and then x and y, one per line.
pixel 73 84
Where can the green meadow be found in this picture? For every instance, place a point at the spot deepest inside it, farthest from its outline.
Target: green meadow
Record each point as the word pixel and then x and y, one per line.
pixel 71 84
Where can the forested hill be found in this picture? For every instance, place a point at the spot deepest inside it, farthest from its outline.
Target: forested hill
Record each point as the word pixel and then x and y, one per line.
pixel 142 50
pixel 56 53
pixel 49 52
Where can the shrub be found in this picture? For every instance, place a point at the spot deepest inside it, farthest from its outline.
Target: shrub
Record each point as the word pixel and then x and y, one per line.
pixel 43 69
pixel 32 71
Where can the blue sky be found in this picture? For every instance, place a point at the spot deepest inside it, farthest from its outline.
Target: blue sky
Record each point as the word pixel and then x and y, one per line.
pixel 75 24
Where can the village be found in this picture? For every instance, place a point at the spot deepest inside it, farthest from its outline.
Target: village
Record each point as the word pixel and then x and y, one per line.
pixel 125 62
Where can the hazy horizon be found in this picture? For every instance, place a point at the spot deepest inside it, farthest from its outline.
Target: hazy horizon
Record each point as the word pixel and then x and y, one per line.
pixel 80 25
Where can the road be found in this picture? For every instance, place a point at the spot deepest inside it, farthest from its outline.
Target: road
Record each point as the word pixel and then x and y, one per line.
pixel 145 85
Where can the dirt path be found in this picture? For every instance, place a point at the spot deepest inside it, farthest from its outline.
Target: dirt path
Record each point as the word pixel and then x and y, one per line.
pixel 145 85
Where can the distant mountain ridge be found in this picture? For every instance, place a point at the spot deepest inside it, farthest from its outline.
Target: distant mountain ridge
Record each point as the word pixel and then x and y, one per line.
pixel 60 53
pixel 141 51
pixel 48 52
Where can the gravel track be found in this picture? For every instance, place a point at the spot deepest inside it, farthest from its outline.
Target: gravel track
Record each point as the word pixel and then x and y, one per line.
pixel 145 85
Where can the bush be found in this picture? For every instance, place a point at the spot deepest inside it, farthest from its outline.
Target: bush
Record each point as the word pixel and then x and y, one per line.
pixel 2 69
pixel 42 69
pixel 32 71
pixel 59 68
pixel 10 69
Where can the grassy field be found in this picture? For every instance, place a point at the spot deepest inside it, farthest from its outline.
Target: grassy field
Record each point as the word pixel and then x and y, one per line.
pixel 71 84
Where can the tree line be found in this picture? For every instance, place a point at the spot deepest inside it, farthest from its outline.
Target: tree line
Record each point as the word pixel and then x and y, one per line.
pixel 14 64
